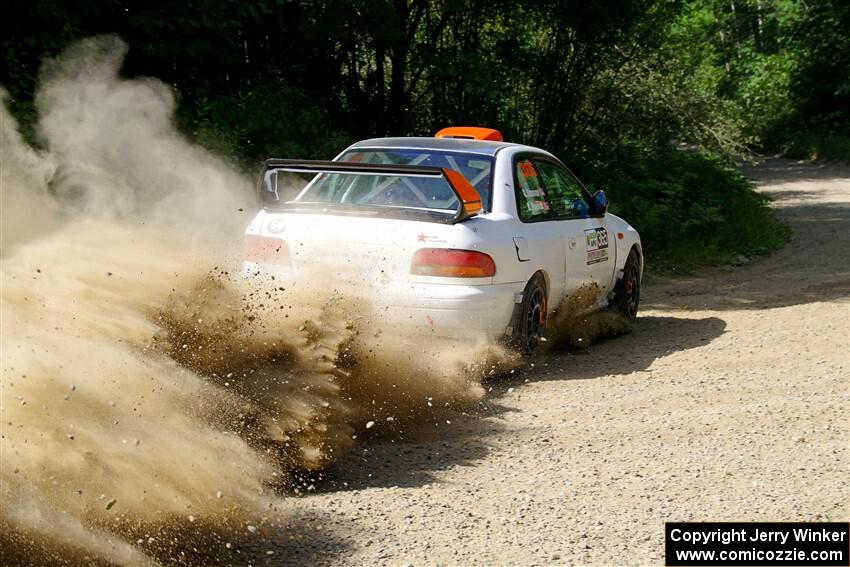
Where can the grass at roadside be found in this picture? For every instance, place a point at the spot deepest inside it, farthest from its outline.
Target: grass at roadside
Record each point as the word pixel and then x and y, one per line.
pixel 690 208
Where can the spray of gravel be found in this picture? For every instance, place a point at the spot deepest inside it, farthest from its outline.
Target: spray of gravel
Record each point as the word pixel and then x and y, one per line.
pixel 152 401
pixel 576 323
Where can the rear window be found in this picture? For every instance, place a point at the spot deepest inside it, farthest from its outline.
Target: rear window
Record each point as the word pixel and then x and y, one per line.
pixel 407 191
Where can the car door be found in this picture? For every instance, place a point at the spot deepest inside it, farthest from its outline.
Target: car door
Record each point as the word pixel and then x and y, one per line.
pixel 552 242
pixel 590 260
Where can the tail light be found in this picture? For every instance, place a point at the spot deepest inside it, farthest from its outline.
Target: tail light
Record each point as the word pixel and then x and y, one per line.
pixel 265 250
pixel 451 263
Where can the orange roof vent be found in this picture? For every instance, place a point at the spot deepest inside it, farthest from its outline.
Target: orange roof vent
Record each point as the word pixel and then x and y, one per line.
pixel 470 133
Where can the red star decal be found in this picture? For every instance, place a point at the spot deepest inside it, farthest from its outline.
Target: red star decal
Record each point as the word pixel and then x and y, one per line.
pixel 421 237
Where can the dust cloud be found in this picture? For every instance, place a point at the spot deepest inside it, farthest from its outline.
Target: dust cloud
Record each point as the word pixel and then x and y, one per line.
pixel 152 400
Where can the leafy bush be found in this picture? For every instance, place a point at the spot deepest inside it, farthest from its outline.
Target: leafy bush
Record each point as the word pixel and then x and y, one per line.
pixel 817 145
pixel 270 120
pixel 689 207
pixel 303 79
pixel 762 91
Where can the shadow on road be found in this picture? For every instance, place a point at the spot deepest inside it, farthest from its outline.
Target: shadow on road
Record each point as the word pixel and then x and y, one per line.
pixel 814 266
pixel 306 539
pixel 814 199
pixel 653 337
pixel 438 446
pixel 426 448
pixel 772 171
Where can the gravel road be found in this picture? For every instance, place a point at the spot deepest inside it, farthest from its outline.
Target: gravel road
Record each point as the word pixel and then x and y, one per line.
pixel 729 402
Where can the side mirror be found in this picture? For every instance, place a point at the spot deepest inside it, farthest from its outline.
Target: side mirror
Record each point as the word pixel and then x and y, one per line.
pixel 600 203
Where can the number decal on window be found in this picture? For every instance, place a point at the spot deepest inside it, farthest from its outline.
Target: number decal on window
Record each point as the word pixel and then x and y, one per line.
pixel 527 169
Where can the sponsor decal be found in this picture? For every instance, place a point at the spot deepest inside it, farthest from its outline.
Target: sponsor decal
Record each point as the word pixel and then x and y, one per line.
pixel 428 238
pixel 597 245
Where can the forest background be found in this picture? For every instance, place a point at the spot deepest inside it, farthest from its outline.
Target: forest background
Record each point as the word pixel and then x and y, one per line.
pixel 654 101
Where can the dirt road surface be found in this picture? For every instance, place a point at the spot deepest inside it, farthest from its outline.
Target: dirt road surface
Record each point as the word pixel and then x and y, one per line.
pixel 729 402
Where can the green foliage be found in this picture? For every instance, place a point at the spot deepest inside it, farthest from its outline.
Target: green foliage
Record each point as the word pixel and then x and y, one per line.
pixel 689 207
pixel 782 67
pixel 763 91
pixel 265 121
pixel 817 145
pixel 611 87
pixel 820 83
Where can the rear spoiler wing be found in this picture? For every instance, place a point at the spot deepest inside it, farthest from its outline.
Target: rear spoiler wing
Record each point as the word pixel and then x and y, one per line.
pixel 466 194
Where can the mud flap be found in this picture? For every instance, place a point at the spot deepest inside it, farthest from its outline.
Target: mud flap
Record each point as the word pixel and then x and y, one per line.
pixel 516 315
pixel 613 292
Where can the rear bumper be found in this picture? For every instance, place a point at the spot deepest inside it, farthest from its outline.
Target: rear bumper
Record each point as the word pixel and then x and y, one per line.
pixel 436 309
pixel 450 310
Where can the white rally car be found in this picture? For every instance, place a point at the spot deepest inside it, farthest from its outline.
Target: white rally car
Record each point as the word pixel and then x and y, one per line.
pixel 462 235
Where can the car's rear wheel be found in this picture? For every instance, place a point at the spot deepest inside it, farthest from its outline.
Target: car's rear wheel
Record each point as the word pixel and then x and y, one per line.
pixel 627 291
pixel 530 321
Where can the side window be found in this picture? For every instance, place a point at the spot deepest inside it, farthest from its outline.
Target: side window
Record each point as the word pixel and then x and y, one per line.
pixel 531 198
pixel 565 195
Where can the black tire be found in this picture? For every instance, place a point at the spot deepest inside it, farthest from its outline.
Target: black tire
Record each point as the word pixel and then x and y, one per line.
pixel 529 322
pixel 627 291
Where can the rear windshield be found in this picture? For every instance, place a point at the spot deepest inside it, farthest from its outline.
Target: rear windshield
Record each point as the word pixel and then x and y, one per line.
pixel 477 169
pixel 404 191
pixel 381 190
